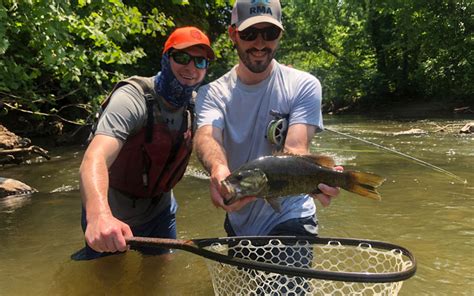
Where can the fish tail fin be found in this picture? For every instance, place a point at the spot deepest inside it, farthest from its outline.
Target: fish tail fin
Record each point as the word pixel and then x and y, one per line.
pixel 365 184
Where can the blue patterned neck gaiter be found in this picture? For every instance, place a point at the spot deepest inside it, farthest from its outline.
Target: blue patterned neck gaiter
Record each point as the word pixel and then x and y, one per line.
pixel 166 85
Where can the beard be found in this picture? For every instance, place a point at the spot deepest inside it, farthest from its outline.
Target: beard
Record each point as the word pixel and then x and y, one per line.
pixel 257 66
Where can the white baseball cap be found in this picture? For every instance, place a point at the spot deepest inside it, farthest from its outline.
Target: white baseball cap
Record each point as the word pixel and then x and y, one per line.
pixel 246 13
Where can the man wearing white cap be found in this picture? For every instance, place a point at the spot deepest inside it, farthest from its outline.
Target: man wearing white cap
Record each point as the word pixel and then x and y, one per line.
pixel 235 111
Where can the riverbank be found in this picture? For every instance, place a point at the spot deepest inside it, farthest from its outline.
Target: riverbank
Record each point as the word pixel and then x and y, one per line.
pixel 406 109
pixel 61 133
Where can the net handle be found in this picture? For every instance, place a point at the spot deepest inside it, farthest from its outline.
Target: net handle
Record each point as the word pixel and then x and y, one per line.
pixel 196 246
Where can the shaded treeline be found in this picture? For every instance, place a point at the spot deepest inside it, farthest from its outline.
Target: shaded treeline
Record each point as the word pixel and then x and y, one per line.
pixel 381 51
pixel 59 58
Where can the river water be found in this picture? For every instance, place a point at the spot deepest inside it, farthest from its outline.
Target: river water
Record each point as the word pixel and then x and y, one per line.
pixel 427 212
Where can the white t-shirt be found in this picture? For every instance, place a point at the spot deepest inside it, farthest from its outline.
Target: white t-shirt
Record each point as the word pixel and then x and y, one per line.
pixel 243 113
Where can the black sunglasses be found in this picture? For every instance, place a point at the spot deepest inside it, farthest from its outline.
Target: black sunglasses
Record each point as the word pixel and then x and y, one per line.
pixel 184 58
pixel 268 33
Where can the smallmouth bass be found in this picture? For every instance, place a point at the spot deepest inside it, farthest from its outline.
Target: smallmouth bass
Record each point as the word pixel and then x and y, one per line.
pixel 275 177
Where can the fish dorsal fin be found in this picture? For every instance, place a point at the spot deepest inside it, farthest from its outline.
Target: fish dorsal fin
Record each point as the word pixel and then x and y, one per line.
pixel 322 160
pixel 319 159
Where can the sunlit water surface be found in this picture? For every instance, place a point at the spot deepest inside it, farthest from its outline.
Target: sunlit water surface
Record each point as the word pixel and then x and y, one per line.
pixel 427 212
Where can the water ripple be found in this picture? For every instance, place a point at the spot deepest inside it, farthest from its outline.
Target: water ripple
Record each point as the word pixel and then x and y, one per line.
pixel 65 188
pixel 196 173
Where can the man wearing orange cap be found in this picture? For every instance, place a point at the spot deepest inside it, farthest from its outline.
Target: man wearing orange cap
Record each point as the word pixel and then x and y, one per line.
pixel 139 150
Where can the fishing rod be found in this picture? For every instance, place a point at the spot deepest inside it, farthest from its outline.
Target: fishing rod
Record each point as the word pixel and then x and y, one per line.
pixel 278 127
pixel 419 161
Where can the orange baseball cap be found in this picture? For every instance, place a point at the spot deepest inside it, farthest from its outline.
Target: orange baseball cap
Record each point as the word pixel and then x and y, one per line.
pixel 186 37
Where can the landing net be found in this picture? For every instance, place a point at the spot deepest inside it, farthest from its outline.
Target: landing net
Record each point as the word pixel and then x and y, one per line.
pixel 365 267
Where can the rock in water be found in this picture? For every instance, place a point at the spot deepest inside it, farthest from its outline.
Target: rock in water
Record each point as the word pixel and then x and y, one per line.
pixel 9 187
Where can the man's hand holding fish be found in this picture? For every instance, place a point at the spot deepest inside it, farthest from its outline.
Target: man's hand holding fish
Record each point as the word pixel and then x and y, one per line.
pixel 328 192
pixel 297 143
pixel 218 192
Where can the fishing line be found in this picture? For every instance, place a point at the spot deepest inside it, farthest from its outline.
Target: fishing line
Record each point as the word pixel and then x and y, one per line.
pixel 419 161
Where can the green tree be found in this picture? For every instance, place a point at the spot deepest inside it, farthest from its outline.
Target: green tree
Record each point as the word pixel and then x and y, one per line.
pixel 59 58
pixel 381 51
pixel 59 54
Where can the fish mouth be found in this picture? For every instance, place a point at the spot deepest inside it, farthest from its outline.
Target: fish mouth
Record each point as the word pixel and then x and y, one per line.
pixel 229 193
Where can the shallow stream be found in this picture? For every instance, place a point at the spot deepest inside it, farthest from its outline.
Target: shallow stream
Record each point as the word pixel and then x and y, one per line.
pixel 425 211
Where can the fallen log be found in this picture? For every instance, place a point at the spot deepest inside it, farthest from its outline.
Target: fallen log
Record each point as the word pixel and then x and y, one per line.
pixel 463 110
pixel 15 149
pixel 468 128
pixel 19 155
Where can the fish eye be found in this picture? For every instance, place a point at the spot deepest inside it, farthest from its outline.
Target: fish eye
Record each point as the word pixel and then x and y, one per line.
pixel 239 177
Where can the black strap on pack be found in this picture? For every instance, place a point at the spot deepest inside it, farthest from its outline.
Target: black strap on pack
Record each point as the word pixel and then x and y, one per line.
pixel 150 118
pixel 150 101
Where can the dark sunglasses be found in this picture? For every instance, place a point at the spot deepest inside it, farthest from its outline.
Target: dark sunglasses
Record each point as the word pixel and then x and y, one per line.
pixel 268 33
pixel 184 58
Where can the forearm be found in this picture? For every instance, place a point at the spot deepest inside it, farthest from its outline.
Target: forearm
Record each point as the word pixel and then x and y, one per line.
pixel 94 181
pixel 104 232
pixel 94 174
pixel 209 149
pixel 298 139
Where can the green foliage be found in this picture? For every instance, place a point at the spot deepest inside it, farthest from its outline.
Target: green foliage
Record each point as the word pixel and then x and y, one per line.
pixel 65 52
pixel 60 57
pixel 395 50
pixel 335 47
pixel 226 58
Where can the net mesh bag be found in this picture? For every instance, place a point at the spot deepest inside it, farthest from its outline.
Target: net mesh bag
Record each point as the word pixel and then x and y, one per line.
pixel 331 256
